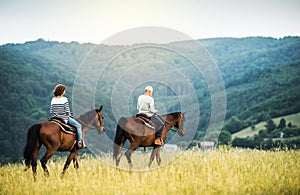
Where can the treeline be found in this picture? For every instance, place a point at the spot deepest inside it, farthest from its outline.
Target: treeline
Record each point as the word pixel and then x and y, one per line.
pixel 283 136
pixel 266 144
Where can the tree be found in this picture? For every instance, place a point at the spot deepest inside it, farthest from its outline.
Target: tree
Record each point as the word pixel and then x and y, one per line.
pixel 271 126
pixel 234 125
pixel 225 138
pixel 263 133
pixel 282 124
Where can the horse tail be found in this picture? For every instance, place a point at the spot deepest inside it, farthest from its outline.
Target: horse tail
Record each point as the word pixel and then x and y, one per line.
pixel 32 137
pixel 119 138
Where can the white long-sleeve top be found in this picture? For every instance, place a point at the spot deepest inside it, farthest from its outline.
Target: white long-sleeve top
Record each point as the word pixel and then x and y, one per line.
pixel 145 104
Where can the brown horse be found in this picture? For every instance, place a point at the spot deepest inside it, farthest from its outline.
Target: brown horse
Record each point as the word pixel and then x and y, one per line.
pixel 50 135
pixel 140 135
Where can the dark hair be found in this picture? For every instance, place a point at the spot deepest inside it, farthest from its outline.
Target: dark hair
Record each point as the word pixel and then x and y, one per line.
pixel 59 89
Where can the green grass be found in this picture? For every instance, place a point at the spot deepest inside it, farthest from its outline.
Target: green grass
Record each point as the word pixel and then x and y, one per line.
pixel 248 132
pixel 223 171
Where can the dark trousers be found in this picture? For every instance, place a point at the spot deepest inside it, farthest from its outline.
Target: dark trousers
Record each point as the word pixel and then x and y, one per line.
pixel 159 123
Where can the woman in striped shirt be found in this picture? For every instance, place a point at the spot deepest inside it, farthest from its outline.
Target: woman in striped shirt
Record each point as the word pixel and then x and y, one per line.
pixel 60 108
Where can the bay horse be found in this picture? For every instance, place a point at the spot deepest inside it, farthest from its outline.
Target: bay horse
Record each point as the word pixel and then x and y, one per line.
pixel 141 135
pixel 50 135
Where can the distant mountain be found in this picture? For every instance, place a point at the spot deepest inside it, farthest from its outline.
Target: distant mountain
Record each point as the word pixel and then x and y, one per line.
pixel 261 77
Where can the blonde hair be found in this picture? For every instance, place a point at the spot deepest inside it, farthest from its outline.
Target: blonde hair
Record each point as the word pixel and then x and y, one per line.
pixel 148 88
pixel 59 90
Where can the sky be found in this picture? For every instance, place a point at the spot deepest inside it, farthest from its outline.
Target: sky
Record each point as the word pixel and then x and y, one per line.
pixel 93 21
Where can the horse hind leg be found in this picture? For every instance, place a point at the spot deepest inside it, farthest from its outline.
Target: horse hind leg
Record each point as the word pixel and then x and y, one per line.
pixel 44 160
pixel 34 160
pixel 118 151
pixel 128 156
pixel 129 152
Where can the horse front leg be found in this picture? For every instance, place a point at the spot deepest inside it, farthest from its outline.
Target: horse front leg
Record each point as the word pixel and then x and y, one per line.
pixel 158 159
pixel 75 162
pixel 153 154
pixel 72 156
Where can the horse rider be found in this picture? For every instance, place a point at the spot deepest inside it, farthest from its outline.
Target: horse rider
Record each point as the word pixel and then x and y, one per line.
pixel 145 105
pixel 60 108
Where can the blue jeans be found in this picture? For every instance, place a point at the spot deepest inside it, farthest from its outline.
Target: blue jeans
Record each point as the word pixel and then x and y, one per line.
pixel 157 120
pixel 71 121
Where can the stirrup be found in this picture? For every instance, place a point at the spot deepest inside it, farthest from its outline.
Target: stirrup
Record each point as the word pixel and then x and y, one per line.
pixel 158 141
pixel 81 144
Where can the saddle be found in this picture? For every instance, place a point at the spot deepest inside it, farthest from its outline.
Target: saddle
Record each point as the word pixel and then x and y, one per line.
pixel 64 126
pixel 146 120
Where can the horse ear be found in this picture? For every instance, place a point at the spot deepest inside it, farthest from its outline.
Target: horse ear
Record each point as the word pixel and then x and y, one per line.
pixel 100 108
pixel 184 113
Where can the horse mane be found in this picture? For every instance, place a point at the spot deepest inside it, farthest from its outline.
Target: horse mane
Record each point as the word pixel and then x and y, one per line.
pixel 87 114
pixel 175 114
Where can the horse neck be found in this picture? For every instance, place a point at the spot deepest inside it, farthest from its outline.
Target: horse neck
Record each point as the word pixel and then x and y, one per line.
pixel 86 119
pixel 169 119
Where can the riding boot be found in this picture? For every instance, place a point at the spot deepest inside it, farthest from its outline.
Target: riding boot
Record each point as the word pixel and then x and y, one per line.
pixel 158 139
pixel 81 144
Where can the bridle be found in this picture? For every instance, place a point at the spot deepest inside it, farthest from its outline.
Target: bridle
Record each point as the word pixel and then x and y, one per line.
pixel 100 122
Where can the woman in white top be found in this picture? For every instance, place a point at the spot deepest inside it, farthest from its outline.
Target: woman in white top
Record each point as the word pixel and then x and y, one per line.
pixel 60 108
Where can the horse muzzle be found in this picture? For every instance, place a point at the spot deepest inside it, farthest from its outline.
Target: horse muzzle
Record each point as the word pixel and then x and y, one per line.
pixel 180 134
pixel 101 130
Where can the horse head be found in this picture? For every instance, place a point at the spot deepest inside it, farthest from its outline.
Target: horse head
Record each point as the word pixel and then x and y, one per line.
pixel 98 122
pixel 179 125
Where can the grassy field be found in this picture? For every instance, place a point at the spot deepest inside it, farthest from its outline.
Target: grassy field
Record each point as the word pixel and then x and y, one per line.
pixel 222 171
pixel 293 118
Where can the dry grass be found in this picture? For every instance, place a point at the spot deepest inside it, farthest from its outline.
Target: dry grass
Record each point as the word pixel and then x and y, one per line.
pixel 223 171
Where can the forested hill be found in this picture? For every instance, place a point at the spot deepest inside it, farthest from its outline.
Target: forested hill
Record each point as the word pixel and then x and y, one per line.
pixel 26 84
pixel 261 77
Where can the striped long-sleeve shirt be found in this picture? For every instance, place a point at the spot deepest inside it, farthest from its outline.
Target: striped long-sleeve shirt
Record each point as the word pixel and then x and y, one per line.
pixel 60 108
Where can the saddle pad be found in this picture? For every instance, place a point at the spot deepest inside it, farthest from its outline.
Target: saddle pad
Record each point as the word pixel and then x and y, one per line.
pixel 146 121
pixel 63 126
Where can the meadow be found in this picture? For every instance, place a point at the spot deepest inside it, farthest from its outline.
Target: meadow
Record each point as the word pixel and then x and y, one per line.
pixel 219 171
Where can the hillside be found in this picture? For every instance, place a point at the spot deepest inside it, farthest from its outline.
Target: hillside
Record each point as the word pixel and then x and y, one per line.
pixel 248 132
pixel 26 86
pixel 261 77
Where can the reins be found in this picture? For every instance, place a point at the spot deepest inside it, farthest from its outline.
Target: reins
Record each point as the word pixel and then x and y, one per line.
pixel 84 123
pixel 172 129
